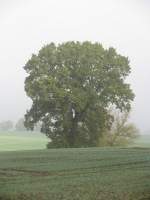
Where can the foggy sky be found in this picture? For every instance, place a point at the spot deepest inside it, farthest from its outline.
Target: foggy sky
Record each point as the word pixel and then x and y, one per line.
pixel 27 25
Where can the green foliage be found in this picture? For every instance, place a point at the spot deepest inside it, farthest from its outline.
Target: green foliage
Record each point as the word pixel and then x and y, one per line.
pixel 75 174
pixel 72 86
pixel 20 126
pixel 121 132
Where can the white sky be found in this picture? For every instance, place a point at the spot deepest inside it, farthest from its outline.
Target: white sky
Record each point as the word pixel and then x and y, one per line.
pixel 26 25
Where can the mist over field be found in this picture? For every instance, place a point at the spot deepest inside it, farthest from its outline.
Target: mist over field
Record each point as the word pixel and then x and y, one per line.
pixel 28 25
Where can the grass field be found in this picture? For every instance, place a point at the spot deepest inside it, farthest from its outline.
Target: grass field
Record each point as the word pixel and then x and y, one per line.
pixel 76 174
pixel 72 174
pixel 13 141
pixel 142 141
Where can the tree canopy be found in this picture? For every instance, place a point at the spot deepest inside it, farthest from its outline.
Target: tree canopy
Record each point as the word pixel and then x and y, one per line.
pixel 72 85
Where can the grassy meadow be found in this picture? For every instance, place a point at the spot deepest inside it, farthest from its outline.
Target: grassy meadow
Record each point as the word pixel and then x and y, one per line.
pixel 76 174
pixel 142 141
pixel 72 174
pixel 15 141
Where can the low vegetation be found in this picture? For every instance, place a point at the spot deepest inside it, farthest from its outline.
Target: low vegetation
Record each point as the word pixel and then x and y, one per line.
pixel 76 174
pixel 121 133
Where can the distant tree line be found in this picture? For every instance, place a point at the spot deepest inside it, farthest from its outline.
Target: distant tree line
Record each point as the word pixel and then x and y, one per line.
pixel 6 125
pixel 9 125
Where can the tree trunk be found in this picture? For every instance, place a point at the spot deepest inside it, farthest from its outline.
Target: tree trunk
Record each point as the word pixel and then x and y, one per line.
pixel 73 132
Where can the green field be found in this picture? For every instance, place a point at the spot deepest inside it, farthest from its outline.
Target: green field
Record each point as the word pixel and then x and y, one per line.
pixel 13 141
pixel 72 174
pixel 76 174
pixel 142 141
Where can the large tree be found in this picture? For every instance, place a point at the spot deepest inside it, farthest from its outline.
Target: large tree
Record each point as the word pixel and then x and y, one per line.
pixel 72 85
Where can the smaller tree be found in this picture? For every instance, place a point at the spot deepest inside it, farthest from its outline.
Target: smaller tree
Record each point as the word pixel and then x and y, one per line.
pixel 121 132
pixel 6 125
